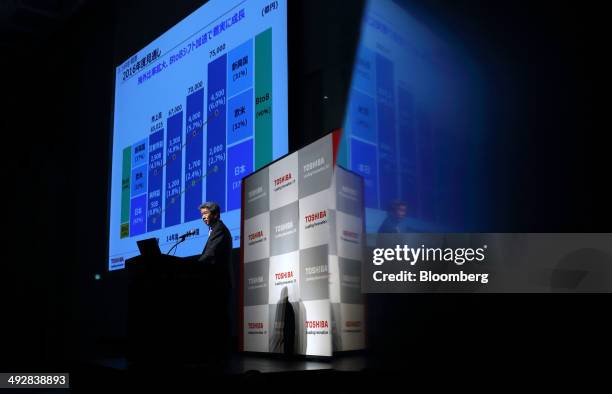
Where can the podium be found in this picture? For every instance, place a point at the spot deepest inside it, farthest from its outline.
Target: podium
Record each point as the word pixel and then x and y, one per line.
pixel 167 319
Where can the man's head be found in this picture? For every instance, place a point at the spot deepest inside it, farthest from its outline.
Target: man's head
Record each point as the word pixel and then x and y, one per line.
pixel 399 209
pixel 210 212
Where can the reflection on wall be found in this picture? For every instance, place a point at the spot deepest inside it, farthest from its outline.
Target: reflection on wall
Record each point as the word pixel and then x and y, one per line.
pixel 406 130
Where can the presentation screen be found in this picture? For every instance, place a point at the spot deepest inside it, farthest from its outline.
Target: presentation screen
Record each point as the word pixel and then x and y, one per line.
pixel 195 111
pixel 403 128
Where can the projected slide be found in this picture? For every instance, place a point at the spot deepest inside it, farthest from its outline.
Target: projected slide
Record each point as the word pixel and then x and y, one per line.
pixel 196 110
pixel 400 94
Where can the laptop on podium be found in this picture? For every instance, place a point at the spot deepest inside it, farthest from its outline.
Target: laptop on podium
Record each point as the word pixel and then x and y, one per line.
pixel 149 247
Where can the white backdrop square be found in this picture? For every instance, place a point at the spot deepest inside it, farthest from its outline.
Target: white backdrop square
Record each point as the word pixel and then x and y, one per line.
pixel 283 182
pixel 257 237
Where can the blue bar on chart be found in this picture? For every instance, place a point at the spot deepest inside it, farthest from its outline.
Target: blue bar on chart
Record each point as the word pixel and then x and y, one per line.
pixel 387 145
pixel 363 162
pixel 138 188
pixel 240 117
pixel 138 209
pixel 362 113
pixel 426 175
pixel 139 181
pixel 239 165
pixel 407 140
pixel 215 149
pixel 174 161
pixel 194 116
pixel 240 68
pixel 364 76
pixel 139 153
pixel 156 178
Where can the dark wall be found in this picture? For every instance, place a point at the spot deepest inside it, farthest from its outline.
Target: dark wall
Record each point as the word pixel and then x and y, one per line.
pixel 323 36
pixel 60 100
pixel 543 109
pixel 545 161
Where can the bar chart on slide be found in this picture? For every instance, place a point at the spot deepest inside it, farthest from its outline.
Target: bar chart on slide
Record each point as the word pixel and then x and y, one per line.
pixel 196 119
pixel 237 109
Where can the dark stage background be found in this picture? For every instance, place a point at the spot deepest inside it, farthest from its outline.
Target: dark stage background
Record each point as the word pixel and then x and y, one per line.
pixel 545 167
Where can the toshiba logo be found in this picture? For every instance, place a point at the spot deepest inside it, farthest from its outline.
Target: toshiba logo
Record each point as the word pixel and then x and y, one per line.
pixel 316 324
pixel 350 234
pixel 255 235
pixel 284 275
pixel 315 216
pixel 280 180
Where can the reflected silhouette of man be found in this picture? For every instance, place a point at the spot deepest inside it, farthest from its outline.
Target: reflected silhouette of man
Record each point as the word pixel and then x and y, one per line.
pixel 283 337
pixel 396 214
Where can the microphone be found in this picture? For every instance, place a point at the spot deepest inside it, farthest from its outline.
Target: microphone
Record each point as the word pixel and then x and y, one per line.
pixel 188 234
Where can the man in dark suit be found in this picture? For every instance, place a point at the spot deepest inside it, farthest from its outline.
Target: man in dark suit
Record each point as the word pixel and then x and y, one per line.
pixel 217 256
pixel 218 248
